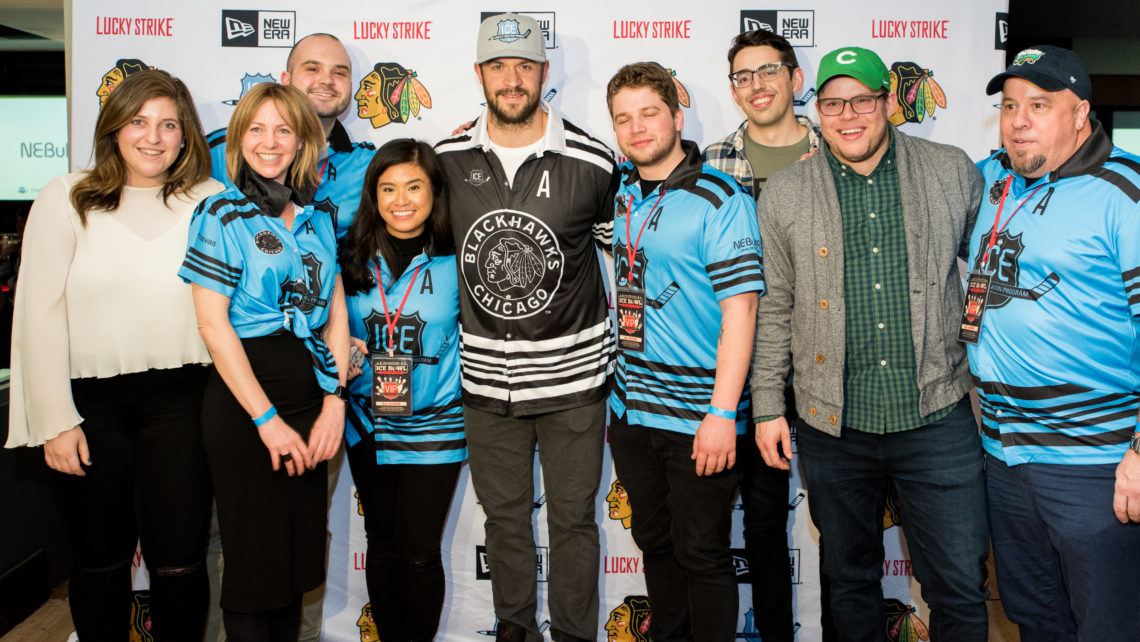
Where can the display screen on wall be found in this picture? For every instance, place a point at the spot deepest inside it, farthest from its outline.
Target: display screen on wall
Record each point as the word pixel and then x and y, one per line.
pixel 33 144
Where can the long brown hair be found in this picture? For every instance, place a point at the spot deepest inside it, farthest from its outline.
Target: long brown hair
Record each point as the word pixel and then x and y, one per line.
pixel 298 113
pixel 101 188
pixel 368 234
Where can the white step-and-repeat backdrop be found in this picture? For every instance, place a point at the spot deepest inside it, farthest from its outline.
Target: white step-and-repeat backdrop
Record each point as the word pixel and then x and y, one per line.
pixel 940 53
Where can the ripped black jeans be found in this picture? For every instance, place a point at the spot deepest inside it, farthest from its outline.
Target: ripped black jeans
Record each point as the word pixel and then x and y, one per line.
pixel 147 482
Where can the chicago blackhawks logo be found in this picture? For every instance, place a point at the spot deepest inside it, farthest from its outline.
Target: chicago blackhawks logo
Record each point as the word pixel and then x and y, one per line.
pixel 917 91
pixel 512 264
pixel 267 242
pixel 390 93
pixel 123 68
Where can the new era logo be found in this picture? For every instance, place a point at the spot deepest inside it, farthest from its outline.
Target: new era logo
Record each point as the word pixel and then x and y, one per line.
pixel 251 28
pixel 236 28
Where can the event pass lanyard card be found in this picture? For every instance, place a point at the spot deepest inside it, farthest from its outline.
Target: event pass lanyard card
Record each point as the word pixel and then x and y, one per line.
pixel 630 300
pixel 979 281
pixel 391 386
pixel 977 291
pixel 392 375
pixel 631 320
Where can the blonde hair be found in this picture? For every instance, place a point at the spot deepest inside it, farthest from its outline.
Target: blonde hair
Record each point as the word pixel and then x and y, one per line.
pixel 298 113
pixel 101 188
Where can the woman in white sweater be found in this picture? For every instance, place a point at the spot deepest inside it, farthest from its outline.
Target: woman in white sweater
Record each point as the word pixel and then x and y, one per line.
pixel 107 364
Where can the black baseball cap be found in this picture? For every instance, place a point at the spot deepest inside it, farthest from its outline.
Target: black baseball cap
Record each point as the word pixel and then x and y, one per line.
pixel 1050 68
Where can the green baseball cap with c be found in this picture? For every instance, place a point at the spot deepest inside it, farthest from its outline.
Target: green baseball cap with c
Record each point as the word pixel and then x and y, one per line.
pixel 861 64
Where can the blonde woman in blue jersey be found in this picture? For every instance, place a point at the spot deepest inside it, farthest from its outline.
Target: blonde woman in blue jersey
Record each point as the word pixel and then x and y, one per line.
pixel 406 439
pixel 270 308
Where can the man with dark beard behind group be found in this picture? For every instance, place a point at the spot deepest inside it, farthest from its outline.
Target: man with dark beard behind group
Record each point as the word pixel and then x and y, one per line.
pixel 531 194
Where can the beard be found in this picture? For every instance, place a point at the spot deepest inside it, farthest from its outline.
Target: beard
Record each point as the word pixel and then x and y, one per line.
pixel 1026 165
pixel 523 115
pixel 651 157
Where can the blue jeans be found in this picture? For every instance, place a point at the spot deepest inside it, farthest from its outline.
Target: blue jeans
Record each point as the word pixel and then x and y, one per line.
pixel 937 469
pixel 1066 568
pixel 683 524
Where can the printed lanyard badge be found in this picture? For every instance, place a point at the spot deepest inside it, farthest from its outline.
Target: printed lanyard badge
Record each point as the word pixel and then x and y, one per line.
pixel 979 281
pixel 630 299
pixel 392 375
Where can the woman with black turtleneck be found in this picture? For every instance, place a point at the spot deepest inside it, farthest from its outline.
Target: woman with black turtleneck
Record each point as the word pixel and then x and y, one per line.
pixel 404 424
pixel 270 308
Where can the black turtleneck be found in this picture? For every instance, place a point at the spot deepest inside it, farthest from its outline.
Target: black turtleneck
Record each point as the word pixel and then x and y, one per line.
pixel 406 250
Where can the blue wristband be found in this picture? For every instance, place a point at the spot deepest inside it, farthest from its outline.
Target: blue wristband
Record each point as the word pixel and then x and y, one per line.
pixel 722 413
pixel 269 414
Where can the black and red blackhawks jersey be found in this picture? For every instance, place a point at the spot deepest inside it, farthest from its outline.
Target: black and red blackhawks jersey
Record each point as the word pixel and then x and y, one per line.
pixel 535 331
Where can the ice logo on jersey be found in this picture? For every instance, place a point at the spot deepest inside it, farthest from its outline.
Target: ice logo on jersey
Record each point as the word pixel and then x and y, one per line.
pixel 409 333
pixel 626 277
pixel 305 292
pixel 1003 262
pixel 512 264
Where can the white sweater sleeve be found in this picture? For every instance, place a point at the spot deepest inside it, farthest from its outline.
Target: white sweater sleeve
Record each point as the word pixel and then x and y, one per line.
pixel 41 404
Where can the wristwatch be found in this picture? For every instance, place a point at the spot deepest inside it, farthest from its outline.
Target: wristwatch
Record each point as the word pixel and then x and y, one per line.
pixel 341 392
pixel 1134 445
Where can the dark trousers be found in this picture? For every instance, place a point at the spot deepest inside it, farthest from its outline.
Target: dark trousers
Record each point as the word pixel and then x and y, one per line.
pixel 764 496
pixel 405 510
pixel 682 523
pixel 937 469
pixel 501 455
pixel 1066 568
pixel 147 483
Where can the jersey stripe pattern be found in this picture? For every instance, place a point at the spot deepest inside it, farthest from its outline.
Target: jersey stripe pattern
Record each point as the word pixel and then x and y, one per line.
pixel 700 245
pixel 1057 366
pixel 338 192
pixel 536 335
pixel 427 331
pixel 277 279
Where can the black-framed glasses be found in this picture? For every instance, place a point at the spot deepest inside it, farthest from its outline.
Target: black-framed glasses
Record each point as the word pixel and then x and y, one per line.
pixel 863 104
pixel 770 71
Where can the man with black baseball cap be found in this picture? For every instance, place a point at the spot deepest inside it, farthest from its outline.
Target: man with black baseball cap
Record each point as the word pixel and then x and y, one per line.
pixel 1054 347
pixel 861 244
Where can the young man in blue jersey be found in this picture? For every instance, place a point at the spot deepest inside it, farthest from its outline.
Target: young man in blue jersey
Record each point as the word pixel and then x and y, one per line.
pixel 764 78
pixel 861 246
pixel 688 274
pixel 531 201
pixel 319 66
pixel 1055 269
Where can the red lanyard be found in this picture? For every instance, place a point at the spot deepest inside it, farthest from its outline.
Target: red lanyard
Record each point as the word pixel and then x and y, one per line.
pixel 631 246
pixel 321 173
pixel 384 300
pixel 997 219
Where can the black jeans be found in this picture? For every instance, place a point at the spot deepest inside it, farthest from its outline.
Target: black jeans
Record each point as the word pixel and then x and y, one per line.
pixel 147 482
pixel 682 523
pixel 405 510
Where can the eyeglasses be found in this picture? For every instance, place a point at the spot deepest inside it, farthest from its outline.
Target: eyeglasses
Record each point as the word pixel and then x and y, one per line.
pixel 864 104
pixel 769 71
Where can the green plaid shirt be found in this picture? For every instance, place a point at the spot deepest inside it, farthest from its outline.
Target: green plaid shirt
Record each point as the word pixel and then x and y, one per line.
pixel 879 387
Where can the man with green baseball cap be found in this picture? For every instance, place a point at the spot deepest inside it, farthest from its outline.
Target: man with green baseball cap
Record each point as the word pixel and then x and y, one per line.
pixel 861 245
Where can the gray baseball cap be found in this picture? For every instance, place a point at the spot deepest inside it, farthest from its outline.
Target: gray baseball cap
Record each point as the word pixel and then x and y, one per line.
pixel 510 35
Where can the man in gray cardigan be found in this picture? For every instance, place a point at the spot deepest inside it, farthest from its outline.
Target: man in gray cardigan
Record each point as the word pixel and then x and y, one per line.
pixel 861 245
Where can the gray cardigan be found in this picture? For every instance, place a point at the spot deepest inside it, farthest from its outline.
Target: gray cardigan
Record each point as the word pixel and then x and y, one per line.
pixel 801 319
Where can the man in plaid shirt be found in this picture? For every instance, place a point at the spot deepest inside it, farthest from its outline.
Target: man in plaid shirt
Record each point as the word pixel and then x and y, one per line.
pixel 861 244
pixel 764 78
